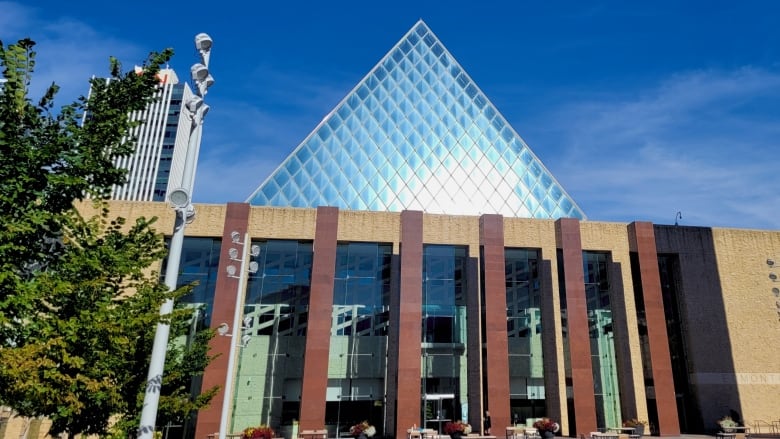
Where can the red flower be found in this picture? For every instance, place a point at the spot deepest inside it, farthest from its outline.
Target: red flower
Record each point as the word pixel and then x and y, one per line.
pixel 260 432
pixel 361 427
pixel 457 427
pixel 547 424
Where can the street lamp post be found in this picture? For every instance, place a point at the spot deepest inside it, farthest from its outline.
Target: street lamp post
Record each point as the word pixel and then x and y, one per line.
pixel 181 199
pixel 246 267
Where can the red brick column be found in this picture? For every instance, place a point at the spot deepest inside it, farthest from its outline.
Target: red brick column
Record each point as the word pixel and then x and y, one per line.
pixel 410 323
pixel 642 240
pixel 568 234
pixel 236 219
pixel 315 362
pixel 496 367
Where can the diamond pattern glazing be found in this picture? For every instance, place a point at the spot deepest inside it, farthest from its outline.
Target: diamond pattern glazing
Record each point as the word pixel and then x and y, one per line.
pixel 417 133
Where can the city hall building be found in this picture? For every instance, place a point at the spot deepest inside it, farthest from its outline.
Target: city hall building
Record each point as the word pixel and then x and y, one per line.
pixel 417 263
pixel 410 318
pixel 413 262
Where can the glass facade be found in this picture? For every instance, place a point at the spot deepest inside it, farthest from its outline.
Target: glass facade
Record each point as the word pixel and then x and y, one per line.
pixel 524 332
pixel 602 338
pixel 270 366
pixel 359 329
pixel 444 369
pixel 417 133
pixel 199 266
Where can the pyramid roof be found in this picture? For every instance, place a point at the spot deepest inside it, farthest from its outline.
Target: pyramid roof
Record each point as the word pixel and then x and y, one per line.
pixel 417 133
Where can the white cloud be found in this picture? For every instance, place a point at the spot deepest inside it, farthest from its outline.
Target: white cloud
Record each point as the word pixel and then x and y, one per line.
pixel 68 51
pixel 704 143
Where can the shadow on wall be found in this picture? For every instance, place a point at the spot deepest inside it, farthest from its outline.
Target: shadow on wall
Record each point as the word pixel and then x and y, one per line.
pixel 702 358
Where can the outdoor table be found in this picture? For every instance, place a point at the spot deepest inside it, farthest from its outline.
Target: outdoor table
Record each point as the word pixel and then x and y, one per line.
pixel 514 432
pixel 313 434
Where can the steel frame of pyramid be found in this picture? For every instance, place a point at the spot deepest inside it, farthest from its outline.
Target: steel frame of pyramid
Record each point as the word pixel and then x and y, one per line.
pixel 416 133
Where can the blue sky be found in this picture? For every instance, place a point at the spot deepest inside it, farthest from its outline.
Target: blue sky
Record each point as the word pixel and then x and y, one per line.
pixel 640 109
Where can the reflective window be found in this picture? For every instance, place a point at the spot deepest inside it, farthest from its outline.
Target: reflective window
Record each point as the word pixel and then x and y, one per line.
pixel 444 333
pixel 199 265
pixel 278 293
pixel 524 331
pixel 358 344
pixel 361 289
pixel 602 337
pixel 276 307
pixel 443 280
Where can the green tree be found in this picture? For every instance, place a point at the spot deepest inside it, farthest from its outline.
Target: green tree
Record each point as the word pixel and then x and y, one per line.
pixel 78 302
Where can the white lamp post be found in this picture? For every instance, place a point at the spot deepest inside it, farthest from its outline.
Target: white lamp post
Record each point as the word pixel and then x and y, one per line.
pixel 224 329
pixel 181 201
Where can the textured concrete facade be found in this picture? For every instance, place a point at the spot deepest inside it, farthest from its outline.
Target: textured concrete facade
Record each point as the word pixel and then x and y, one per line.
pixel 732 318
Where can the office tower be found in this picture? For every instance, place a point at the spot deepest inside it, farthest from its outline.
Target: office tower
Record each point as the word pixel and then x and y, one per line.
pixel 162 139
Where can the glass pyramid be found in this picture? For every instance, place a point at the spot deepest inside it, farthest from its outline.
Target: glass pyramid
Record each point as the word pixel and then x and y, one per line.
pixel 417 133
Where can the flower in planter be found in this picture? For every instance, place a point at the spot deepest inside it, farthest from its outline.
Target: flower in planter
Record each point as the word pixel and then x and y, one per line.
pixel 259 432
pixel 634 423
pixel 457 427
pixel 362 428
pixel 727 424
pixel 547 424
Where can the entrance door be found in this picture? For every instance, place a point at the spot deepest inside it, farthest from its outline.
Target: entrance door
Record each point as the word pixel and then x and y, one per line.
pixel 439 409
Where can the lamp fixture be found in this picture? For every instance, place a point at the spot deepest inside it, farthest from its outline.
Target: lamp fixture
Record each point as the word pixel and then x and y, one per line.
pixel 204 109
pixel 208 81
pixel 180 198
pixel 199 72
pixel 189 213
pixel 194 104
pixel 203 42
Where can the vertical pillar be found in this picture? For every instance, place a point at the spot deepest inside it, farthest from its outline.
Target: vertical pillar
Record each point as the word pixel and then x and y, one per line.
pixel 236 219
pixel 474 389
pixel 496 367
pixel 391 370
pixel 570 242
pixel 409 350
pixel 317 351
pixel 642 239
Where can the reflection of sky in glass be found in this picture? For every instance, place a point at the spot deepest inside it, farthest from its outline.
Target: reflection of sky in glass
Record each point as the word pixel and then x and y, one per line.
pixel 443 280
pixel 285 271
pixel 360 289
pixel 199 267
pixel 417 133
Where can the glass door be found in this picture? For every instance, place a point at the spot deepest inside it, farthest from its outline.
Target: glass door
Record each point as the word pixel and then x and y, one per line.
pixel 439 409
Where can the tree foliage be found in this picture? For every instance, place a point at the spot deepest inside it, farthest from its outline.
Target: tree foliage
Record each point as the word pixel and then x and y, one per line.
pixel 78 302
